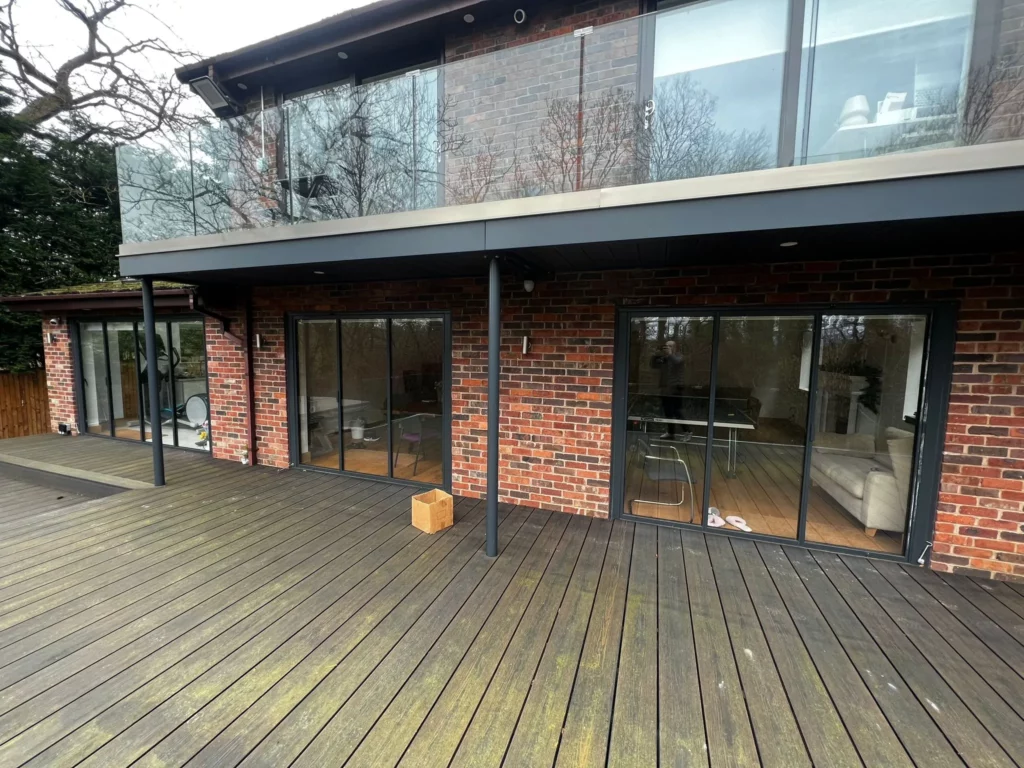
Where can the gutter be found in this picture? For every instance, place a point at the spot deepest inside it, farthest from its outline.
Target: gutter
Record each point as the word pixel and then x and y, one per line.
pixel 168 298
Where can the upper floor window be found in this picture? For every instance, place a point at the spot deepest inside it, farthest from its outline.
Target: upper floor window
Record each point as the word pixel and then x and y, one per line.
pixel 881 77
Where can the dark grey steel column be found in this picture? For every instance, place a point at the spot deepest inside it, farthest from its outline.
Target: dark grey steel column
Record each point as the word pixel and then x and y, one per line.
pixel 152 375
pixel 493 406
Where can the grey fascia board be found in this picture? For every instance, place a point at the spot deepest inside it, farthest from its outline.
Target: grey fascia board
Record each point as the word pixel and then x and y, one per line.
pixel 991 192
pixel 395 243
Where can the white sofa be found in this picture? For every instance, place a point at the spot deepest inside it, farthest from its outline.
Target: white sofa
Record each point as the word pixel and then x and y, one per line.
pixel 871 485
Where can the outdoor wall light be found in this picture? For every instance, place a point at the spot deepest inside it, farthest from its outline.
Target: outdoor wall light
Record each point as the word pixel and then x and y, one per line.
pixel 242 86
pixel 789 244
pixel 318 271
pixel 210 92
pixel 342 55
pixel 528 286
pixel 54 321
pixel 469 18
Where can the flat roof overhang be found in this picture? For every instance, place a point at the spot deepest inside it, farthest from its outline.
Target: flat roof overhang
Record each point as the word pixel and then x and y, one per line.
pixel 856 207
pixel 113 301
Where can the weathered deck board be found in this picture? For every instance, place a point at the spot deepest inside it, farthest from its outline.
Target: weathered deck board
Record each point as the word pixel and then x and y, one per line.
pixel 251 616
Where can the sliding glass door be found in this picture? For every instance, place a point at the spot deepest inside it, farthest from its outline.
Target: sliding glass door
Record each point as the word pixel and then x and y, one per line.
pixel 371 395
pixel 812 416
pixel 114 381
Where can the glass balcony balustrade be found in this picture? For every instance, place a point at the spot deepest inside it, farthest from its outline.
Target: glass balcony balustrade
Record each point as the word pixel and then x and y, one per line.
pixel 696 90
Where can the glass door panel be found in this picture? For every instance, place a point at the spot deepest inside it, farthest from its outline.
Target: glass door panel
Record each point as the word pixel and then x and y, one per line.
pixel 667 414
pixel 124 381
pixel 166 358
pixel 417 415
pixel 761 398
pixel 319 432
pixel 191 401
pixel 365 392
pixel 862 459
pixel 95 378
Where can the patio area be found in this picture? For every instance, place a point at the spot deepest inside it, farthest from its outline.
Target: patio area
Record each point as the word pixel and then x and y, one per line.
pixel 250 616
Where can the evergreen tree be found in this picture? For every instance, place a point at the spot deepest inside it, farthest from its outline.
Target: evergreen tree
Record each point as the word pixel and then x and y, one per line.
pixel 59 224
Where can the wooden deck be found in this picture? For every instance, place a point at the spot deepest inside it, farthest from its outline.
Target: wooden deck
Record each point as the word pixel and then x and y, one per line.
pixel 245 616
pixel 104 460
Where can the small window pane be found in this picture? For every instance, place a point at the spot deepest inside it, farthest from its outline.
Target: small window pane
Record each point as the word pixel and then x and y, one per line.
pixel 191 402
pixel 166 358
pixel 417 413
pixel 124 380
pixel 94 379
pixel 364 354
pixel 319 433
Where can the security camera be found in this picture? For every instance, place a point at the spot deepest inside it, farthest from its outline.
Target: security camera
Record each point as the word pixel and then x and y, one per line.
pixel 519 16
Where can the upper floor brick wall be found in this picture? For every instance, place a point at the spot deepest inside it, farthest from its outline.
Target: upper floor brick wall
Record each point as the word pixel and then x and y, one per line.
pixel 555 19
pixel 522 123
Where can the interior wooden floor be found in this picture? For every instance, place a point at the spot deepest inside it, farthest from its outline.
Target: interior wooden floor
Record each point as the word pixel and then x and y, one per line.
pixel 251 616
pixel 375 462
pixel 765 493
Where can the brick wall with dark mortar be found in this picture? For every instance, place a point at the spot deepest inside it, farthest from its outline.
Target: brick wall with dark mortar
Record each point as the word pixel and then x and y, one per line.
pixel 226 371
pixel 60 374
pixel 512 94
pixel 556 400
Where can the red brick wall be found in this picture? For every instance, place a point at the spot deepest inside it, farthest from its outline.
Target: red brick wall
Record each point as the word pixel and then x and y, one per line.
pixel 556 401
pixel 551 21
pixel 60 376
pixel 225 360
pixel 981 509
pixel 514 108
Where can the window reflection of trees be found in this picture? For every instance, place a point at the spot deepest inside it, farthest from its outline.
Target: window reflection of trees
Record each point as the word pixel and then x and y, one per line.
pixel 408 143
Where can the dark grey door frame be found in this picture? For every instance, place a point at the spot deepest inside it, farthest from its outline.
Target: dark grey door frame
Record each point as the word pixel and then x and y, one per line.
pixel 937 372
pixel 292 320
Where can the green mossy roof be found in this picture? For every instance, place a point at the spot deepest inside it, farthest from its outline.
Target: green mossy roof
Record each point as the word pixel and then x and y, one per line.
pixel 110 286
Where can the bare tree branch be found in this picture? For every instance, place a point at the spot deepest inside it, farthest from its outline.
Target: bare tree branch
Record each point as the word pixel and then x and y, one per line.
pixel 108 89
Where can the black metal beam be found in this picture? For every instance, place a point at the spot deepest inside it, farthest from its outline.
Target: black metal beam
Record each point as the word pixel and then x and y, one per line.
pixel 152 377
pixel 493 403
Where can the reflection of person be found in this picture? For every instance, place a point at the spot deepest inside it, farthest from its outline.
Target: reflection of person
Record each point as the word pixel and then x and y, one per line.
pixel 670 383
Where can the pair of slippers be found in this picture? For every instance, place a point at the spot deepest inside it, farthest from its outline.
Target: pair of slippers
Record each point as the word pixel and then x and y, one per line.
pixel 715 520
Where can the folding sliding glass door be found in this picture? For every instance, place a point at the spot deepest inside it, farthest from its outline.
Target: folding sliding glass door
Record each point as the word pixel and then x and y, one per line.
pixel 813 417
pixel 114 381
pixel 371 395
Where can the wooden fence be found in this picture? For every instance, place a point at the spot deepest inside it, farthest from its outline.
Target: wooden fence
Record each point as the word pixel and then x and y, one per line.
pixel 24 405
